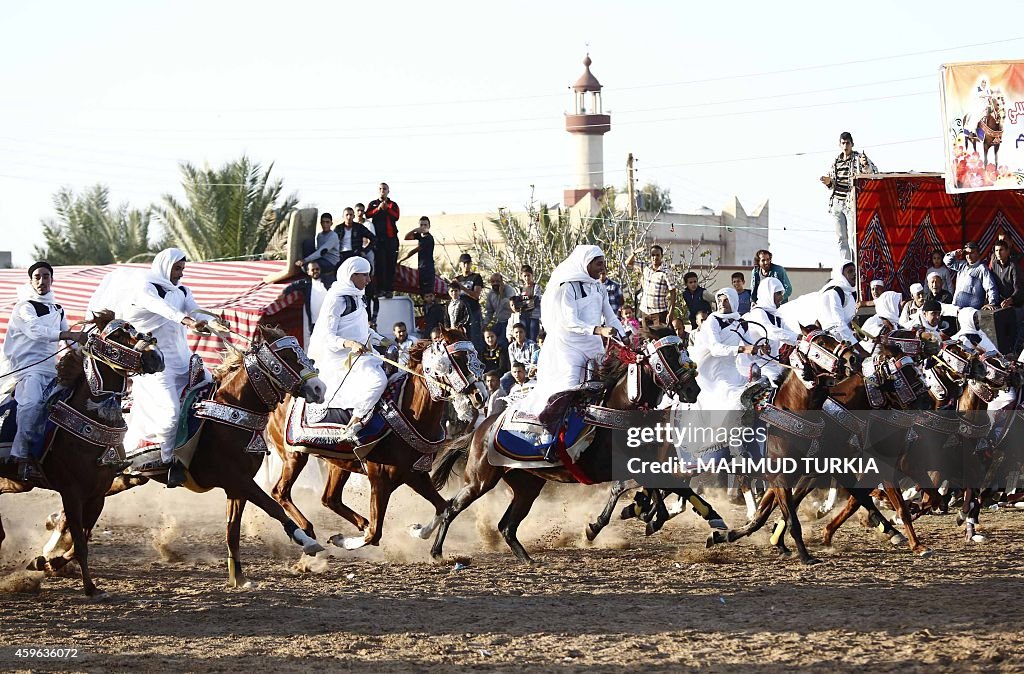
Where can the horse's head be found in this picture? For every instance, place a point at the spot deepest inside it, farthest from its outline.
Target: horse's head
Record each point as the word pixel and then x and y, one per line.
pixel 901 380
pixel 277 358
pixel 823 359
pixel 917 344
pixel 669 364
pixel 454 372
pixel 115 350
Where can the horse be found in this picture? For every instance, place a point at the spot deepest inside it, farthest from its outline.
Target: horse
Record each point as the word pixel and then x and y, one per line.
pixel 989 130
pixel 390 463
pixel 229 448
pixel 83 457
pixel 664 365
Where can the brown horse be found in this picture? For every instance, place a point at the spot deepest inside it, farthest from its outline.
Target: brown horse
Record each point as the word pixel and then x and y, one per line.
pixel 664 365
pixel 252 384
pixel 75 466
pixel 989 130
pixel 389 463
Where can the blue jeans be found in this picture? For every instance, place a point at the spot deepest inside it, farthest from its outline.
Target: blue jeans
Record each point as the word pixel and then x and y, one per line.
pixel 842 225
pixel 532 326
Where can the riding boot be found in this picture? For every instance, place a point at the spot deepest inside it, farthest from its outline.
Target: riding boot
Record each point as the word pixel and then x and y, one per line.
pixel 551 452
pixel 176 474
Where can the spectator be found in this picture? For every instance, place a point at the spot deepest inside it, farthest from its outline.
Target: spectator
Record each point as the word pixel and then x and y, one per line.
pixel 496 402
pixel 351 235
pixel 369 252
pixel 697 298
pixel 839 179
pixel 433 314
pixel 741 293
pixel 520 381
pixel 402 341
pixel 435 333
pixel 614 289
pixel 494 357
pixel 532 370
pixel 528 304
pixel 908 317
pixel 764 268
pixel 458 312
pixel 1007 276
pixel 425 260
pixel 325 251
pixel 521 349
pixel 936 291
pixel 313 292
pixel 384 213
pixel 876 288
pixel 974 287
pixel 658 293
pixel 940 268
pixel 629 322
pixel 496 308
pixel 471 285
pixel 679 328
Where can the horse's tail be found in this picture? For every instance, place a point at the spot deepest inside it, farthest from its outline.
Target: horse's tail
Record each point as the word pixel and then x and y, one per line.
pixel 456 450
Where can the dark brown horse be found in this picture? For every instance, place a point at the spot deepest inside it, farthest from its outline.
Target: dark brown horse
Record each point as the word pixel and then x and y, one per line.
pixel 595 462
pixel 75 467
pixel 251 385
pixel 989 131
pixel 389 463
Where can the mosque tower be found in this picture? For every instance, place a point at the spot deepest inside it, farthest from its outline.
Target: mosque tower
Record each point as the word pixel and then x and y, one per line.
pixel 588 124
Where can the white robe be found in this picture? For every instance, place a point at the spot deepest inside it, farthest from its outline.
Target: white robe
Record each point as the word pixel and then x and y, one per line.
pixel 837 306
pixel 32 341
pixel 765 315
pixel 353 382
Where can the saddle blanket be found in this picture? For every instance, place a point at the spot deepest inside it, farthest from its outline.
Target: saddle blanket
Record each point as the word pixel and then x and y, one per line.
pixel 9 423
pixel 512 440
pixel 324 433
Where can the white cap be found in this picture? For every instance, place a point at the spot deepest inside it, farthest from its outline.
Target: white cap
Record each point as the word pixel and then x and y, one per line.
pixel 916 288
pixel 876 282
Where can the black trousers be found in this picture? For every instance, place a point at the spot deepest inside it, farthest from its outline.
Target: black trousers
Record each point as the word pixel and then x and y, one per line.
pixel 386 260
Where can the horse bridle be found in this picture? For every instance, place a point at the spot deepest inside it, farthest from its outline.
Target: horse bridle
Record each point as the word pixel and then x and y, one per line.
pixel 272 376
pixel 124 360
pixel 808 351
pixel 666 376
pixel 443 374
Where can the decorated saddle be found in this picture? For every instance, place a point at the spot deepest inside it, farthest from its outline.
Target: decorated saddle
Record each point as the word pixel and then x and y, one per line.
pixel 56 394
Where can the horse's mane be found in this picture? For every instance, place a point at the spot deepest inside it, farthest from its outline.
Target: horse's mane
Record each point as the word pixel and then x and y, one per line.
pixel 71 367
pixel 231 359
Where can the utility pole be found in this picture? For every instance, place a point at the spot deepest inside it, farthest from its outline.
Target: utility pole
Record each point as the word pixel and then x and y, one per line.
pixel 631 187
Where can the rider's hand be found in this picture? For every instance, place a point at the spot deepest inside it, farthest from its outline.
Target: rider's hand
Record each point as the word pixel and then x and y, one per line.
pixel 356 347
pixel 76 336
pixel 201 327
pixel 990 307
pixel 606 331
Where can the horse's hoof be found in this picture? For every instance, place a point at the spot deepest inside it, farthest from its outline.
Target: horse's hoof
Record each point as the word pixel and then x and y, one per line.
pixel 591 532
pixel 925 554
pixel 714 538
pixel 416 531
pixel 718 524
pixel 312 549
pixel 98 596
pixel 820 514
pixel 977 538
pixel 348 542
pixel 811 561
pixel 897 539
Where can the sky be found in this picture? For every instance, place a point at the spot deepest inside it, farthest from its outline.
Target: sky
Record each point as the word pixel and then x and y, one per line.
pixel 459 106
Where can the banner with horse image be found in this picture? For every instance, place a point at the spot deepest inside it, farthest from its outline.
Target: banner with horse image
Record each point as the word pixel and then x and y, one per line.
pixel 983 122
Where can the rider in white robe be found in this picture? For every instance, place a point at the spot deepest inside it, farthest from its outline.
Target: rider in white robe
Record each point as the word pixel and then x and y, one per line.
pixel 341 346
pixel 766 315
pixel 837 306
pixel 887 317
pixel 576 316
pixel 155 302
pixel 36 327
pixel 975 339
pixel 720 339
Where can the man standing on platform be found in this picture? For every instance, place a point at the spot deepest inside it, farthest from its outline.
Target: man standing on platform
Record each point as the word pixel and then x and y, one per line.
pixel 384 213
pixel 658 297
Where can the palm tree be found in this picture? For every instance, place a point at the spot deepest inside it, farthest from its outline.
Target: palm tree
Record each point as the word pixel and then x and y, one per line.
pixel 88 231
pixel 230 212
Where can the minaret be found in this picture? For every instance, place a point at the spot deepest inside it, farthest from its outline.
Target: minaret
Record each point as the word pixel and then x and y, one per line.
pixel 588 124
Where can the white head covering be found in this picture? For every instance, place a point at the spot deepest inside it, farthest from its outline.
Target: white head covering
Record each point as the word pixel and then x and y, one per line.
pixel 966 317
pixel 887 306
pixel 343 285
pixel 766 290
pixel 160 270
pixel 837 279
pixel 571 269
pixel 734 301
pixel 931 274
pixel 916 288
pixel 27 292
pixel 876 282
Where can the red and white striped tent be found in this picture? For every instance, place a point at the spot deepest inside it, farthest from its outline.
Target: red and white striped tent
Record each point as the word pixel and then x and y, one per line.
pixel 234 290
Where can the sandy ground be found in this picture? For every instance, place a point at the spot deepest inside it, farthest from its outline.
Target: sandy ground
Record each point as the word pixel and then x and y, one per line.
pixel 663 604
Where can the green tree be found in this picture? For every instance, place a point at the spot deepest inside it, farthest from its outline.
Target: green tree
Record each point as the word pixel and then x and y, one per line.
pixel 653 198
pixel 230 212
pixel 88 231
